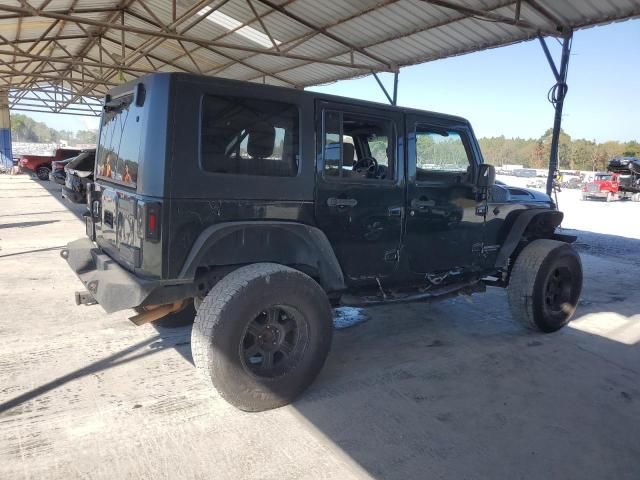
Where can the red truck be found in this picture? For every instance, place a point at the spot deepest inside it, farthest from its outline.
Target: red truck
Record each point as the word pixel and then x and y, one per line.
pixel 609 186
pixel 41 164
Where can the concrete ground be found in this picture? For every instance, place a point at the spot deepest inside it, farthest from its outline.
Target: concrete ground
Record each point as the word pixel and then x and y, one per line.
pixel 450 390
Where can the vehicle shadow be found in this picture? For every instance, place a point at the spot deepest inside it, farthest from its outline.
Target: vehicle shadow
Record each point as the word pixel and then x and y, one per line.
pixel 123 356
pixel 55 190
pixel 27 224
pixel 435 393
pixel 606 245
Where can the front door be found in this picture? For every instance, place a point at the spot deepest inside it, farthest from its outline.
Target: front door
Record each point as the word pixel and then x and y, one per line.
pixel 360 192
pixel 445 218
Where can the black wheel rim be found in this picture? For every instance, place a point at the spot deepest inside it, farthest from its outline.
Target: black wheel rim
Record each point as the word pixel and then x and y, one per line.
pixel 274 341
pixel 558 291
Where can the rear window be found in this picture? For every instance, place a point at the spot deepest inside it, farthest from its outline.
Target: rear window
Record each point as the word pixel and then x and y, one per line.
pixel 247 136
pixel 119 142
pixel 84 162
pixel 66 154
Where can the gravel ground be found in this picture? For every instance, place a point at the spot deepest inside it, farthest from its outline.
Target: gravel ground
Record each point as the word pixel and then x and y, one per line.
pixel 448 390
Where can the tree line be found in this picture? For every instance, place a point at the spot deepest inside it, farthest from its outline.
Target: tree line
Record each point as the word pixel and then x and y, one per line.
pixel 579 154
pixel 26 129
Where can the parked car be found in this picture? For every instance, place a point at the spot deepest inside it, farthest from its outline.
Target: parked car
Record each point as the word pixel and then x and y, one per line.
pixel 525 172
pixel 536 184
pixel 572 183
pixel 40 165
pixel 58 174
pixel 265 206
pixel 79 173
pixel 625 165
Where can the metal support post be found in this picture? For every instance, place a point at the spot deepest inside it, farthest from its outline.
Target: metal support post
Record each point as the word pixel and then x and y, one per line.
pixel 556 97
pixel 395 88
pixel 6 158
pixel 392 100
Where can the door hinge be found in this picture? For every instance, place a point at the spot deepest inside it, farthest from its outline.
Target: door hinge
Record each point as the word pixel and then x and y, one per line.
pixel 391 256
pixel 484 249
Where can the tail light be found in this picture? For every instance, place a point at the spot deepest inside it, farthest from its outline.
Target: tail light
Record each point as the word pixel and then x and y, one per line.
pixel 152 221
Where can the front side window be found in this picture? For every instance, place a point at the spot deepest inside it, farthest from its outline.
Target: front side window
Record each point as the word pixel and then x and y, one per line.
pixel 358 146
pixel 247 136
pixel 440 150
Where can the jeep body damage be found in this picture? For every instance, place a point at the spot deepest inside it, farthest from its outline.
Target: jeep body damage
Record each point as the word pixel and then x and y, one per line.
pixel 265 205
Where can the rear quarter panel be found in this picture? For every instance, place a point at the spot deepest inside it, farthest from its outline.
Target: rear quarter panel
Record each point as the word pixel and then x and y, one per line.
pixel 198 199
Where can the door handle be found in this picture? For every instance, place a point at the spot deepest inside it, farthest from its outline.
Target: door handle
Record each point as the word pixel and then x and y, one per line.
pixel 395 211
pixel 341 202
pixel 422 204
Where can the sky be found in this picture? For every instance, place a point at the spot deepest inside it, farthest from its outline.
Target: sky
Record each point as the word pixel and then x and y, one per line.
pixel 503 91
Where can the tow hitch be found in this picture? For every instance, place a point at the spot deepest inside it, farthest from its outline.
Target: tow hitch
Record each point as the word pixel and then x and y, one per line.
pixel 85 298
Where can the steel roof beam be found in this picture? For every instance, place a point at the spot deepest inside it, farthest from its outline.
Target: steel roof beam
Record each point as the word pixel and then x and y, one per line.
pixel 385 63
pixel 492 16
pixel 195 40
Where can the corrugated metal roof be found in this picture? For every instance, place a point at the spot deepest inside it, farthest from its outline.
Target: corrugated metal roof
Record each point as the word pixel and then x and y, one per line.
pixel 65 55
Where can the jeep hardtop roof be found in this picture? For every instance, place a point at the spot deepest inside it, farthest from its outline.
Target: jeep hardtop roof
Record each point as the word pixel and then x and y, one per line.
pixel 281 92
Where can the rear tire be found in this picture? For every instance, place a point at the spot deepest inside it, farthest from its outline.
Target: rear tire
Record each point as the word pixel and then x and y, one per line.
pixel 262 335
pixel 43 173
pixel 545 285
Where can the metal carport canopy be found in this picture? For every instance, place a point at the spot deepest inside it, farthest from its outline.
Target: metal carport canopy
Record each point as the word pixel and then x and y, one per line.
pixel 63 55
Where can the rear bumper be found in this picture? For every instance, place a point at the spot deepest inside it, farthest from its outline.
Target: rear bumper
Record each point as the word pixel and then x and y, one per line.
pixel 75 197
pixel 57 179
pixel 595 194
pixel 113 287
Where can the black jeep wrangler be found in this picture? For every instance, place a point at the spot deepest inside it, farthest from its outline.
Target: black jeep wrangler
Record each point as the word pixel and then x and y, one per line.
pixel 266 206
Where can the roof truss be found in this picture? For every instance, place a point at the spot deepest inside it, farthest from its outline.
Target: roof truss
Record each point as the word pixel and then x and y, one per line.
pixel 65 59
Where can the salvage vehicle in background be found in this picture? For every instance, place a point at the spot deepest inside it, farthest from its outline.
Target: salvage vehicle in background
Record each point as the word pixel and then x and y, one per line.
pixel 79 174
pixel 40 165
pixel 265 206
pixel 57 174
pixel 609 187
pixel 536 183
pixel 629 170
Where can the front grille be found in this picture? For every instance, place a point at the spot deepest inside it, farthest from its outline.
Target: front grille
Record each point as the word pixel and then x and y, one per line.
pixel 593 187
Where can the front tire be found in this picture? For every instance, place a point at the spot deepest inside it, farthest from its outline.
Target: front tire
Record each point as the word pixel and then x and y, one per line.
pixel 262 335
pixel 43 173
pixel 545 285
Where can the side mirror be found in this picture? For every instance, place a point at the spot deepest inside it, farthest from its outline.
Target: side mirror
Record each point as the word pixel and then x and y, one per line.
pixel 486 176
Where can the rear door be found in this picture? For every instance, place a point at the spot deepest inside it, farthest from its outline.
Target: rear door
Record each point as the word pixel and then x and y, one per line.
pixel 444 227
pixel 119 229
pixel 360 195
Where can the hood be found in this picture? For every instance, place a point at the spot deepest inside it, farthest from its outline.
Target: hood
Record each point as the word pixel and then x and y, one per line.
pixel 507 193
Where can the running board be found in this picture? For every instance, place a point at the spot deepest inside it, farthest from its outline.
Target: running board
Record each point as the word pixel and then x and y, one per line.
pixel 439 293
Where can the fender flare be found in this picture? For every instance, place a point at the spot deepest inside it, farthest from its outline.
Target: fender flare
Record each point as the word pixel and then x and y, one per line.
pixel 518 228
pixel 314 249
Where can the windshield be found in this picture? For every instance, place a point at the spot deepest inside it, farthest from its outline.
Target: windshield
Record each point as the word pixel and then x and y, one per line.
pixel 603 177
pixel 119 142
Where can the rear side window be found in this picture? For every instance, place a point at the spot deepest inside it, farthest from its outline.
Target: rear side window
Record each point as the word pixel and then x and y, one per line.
pixel 85 161
pixel 65 154
pixel 119 143
pixel 248 136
